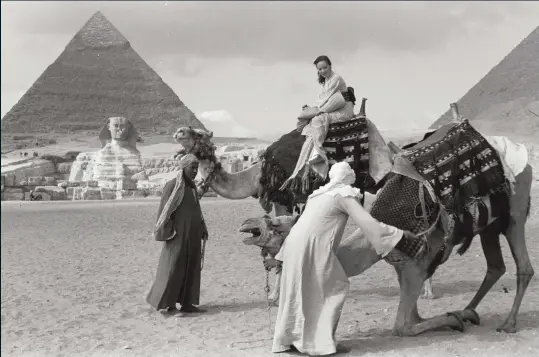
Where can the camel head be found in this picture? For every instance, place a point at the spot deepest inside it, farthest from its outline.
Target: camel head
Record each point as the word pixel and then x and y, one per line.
pixel 195 141
pixel 267 232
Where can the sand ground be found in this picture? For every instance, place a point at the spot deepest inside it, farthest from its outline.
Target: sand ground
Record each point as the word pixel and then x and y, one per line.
pixel 75 276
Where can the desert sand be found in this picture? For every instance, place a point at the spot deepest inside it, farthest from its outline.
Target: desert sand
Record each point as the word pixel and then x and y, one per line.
pixel 75 276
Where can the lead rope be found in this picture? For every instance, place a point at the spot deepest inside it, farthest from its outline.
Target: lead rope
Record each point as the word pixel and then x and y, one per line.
pixel 267 287
pixel 267 291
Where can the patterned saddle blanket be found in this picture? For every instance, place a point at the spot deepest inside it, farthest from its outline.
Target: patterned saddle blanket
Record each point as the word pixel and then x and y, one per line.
pixel 467 179
pixel 346 141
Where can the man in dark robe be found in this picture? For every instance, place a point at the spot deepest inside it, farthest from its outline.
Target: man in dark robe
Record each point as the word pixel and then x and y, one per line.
pixel 180 225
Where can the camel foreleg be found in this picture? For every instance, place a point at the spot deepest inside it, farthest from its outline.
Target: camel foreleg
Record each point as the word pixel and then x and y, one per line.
pixel 408 321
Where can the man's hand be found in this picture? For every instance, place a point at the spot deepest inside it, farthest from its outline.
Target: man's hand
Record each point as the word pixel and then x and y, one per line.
pixel 304 107
pixel 271 263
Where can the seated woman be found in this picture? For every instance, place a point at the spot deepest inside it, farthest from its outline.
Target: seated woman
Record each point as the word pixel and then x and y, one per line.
pixel 314 284
pixel 335 104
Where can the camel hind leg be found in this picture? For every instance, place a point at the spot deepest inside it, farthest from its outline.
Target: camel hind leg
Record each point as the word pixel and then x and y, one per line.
pixel 490 242
pixel 520 207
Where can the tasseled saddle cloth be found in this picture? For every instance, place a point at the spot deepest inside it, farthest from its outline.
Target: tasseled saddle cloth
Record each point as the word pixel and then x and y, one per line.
pixel 346 141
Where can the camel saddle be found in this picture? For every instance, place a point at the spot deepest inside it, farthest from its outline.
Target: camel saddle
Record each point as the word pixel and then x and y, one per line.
pixel 345 141
pixel 464 174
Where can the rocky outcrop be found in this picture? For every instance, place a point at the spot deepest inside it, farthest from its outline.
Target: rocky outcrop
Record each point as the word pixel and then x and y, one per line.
pixel 14 174
pixel 158 165
pixel 82 168
pixel 51 193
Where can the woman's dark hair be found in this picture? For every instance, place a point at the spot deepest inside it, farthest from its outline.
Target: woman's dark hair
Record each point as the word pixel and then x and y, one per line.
pixel 319 59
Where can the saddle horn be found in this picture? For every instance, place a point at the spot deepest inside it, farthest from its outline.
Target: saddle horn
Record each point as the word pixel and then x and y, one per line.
pixel 362 109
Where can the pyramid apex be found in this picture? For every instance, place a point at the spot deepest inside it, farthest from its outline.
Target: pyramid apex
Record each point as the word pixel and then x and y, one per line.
pixel 98 32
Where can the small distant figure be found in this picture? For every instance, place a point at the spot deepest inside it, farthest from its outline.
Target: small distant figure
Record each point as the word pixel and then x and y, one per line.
pixel 35 196
pixel 25 154
pixel 36 154
pixel 20 154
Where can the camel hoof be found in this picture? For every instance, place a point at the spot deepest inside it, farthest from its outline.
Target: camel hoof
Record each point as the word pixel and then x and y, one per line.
pixel 474 319
pixel 460 326
pixel 506 329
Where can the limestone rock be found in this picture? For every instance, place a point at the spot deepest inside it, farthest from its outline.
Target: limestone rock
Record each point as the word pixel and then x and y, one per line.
pixel 39 181
pixel 107 194
pixel 91 193
pixel 64 167
pixel 82 167
pixel 56 193
pixel 13 194
pixel 16 173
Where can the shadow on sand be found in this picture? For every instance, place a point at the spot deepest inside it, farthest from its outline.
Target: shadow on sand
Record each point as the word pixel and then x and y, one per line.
pixel 438 287
pixel 376 340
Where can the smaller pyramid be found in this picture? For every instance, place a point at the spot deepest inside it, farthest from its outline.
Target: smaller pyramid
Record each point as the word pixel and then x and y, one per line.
pixel 97 76
pixel 506 99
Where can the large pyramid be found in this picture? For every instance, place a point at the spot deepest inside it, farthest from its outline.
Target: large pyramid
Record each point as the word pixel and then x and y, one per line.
pixel 506 100
pixel 98 75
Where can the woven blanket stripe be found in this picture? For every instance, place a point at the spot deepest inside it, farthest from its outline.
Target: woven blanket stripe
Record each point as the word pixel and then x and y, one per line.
pixel 462 162
pixel 350 160
pixel 347 125
pixel 348 149
pixel 349 137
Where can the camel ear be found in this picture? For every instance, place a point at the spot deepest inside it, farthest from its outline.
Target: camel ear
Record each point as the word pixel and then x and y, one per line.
pixel 210 135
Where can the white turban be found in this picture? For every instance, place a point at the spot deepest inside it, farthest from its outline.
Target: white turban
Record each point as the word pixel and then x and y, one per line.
pixel 187 160
pixel 341 177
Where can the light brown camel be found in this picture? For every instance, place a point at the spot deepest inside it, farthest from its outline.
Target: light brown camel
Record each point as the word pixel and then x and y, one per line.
pixel 246 183
pixel 269 233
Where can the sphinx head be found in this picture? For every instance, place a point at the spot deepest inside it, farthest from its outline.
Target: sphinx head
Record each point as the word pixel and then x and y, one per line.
pixel 119 129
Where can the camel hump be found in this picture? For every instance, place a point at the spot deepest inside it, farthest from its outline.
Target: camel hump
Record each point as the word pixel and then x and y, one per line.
pixel 345 141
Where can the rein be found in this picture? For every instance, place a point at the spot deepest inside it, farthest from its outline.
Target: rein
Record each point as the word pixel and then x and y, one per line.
pixel 267 288
pixel 205 185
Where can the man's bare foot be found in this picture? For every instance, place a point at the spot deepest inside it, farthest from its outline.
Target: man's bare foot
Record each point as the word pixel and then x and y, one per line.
pixel 191 309
pixel 171 311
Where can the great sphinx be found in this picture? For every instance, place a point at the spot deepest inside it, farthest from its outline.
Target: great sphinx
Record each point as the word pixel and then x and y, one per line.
pixel 117 165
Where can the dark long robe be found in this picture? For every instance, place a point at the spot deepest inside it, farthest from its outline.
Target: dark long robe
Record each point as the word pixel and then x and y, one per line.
pixel 178 271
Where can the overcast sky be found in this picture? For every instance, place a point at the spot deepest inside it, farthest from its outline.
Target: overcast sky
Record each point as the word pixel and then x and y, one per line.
pixel 246 67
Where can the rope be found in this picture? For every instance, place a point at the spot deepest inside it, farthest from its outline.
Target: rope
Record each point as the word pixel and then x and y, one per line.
pixel 267 288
